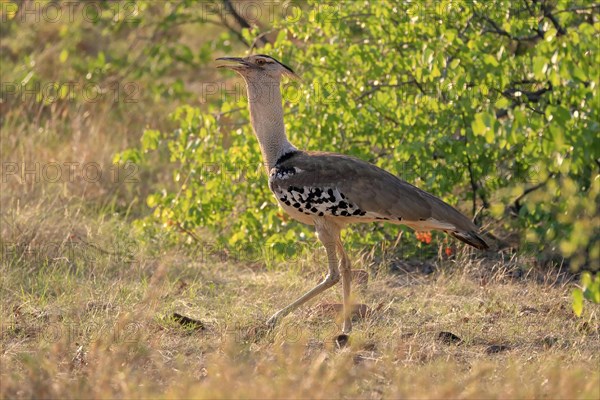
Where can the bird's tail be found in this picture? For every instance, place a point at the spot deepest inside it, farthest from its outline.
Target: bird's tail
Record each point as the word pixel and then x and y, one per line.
pixel 471 238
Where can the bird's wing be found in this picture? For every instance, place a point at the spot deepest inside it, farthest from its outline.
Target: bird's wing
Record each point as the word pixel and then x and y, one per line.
pixel 367 188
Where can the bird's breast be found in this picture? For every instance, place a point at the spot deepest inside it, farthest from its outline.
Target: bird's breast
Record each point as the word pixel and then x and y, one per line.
pixel 305 201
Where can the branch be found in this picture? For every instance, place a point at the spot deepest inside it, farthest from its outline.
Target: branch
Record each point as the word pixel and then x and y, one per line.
pixel 530 108
pixel 579 10
pixel 516 205
pixel 531 11
pixel 539 34
pixel 241 22
pixel 495 26
pixel 375 88
pixel 461 33
pixel 238 18
pixel 235 32
pixel 533 97
pixel 261 38
pixel 474 185
pixel 548 14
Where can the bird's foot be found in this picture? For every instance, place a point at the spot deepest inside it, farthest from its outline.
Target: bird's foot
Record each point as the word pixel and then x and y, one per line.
pixel 274 320
pixel 341 341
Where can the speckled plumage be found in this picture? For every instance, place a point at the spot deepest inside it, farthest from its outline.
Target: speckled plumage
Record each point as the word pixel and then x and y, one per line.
pixel 318 184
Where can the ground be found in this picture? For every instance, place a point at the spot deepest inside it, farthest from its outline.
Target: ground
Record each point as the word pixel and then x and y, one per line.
pixel 80 320
pixel 90 310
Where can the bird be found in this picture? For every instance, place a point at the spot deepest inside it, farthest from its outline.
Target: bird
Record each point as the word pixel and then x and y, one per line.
pixel 330 191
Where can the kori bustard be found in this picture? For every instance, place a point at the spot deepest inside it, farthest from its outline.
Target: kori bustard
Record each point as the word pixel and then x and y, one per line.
pixel 331 190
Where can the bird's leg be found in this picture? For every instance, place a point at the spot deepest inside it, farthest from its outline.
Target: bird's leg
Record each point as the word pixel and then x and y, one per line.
pixel 329 240
pixel 346 282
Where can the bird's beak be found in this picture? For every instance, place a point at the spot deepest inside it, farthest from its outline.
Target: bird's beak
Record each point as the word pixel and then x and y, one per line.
pixel 237 63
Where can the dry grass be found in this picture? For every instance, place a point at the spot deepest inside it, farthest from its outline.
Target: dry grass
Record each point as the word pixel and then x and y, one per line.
pixel 87 311
pixel 82 322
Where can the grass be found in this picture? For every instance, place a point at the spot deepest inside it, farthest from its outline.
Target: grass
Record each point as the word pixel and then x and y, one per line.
pixel 82 321
pixel 90 311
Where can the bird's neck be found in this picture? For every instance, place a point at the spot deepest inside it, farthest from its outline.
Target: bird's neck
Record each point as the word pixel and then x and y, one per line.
pixel 266 116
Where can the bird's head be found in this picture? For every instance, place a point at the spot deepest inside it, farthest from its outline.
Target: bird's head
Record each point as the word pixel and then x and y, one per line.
pixel 258 67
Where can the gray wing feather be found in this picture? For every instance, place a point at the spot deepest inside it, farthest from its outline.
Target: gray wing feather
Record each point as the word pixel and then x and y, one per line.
pixel 371 188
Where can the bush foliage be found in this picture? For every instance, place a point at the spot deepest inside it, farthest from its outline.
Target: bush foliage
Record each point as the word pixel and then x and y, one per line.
pixel 492 106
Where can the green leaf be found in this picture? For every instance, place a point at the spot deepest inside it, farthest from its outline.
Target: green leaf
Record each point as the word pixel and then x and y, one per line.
pixel 586 279
pixel 577 301
pixel 490 136
pixel 579 74
pixel 591 287
pixel 482 125
pixel 281 37
pixel 150 139
pixel 152 200
pixel 64 54
pixel 540 65
pixel 478 125
pixel 128 155
pixel 490 60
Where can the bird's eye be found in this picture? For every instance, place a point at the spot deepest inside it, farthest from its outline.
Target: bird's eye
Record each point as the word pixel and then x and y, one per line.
pixel 260 61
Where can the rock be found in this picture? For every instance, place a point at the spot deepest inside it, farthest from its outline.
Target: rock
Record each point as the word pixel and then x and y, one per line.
pixel 188 322
pixel 449 338
pixel 496 348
